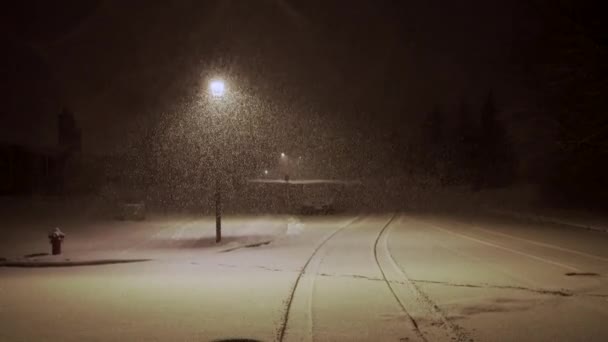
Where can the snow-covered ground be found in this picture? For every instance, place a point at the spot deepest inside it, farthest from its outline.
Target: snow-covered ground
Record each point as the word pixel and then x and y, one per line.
pixel 403 277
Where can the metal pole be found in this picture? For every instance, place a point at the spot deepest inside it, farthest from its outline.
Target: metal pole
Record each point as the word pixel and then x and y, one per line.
pixel 288 204
pixel 218 212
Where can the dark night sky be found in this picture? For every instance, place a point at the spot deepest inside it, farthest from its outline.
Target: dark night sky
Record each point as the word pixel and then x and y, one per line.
pixel 346 83
pixel 115 64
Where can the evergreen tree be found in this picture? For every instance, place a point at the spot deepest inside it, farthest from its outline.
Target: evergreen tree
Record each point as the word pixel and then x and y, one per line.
pixel 495 164
pixel 434 160
pixel 433 127
pixel 488 112
pixel 463 145
pixel 465 124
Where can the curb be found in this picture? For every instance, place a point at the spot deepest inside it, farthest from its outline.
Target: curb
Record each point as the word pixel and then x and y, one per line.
pixel 40 264
pixel 249 245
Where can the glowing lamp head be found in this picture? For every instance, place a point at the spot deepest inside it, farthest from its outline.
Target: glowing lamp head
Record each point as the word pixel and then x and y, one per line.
pixel 282 155
pixel 217 88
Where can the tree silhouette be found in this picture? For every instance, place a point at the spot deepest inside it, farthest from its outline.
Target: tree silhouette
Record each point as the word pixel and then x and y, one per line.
pixel 433 127
pixel 465 124
pixel 494 160
pixel 435 160
pixel 462 146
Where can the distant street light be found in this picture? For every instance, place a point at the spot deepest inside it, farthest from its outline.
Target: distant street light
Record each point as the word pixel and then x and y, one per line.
pixel 298 170
pixel 284 164
pixel 266 172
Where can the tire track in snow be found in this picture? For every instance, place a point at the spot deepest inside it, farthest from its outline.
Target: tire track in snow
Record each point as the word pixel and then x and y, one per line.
pixel 388 282
pixel 285 320
pixel 445 330
pixel 559 293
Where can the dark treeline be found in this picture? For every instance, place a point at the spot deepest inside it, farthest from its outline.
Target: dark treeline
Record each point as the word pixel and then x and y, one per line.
pixel 467 145
pixel 555 135
pixel 566 70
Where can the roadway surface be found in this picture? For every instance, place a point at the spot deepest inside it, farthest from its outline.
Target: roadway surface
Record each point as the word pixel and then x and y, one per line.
pixel 391 277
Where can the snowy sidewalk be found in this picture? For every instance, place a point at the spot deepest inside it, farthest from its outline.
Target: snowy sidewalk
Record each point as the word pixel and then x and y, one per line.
pixel 571 218
pixel 522 202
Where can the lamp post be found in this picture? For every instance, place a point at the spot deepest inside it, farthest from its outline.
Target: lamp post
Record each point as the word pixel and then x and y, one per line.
pixel 218 89
pixel 284 165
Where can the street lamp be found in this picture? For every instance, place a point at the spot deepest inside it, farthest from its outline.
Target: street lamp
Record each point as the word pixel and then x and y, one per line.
pixel 285 161
pixel 218 89
pixel 284 164
pixel 298 170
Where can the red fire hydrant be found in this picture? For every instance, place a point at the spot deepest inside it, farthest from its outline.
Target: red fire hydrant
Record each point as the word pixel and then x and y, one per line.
pixel 56 238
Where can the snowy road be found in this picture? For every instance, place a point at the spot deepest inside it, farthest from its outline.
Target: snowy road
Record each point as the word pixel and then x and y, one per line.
pixel 403 277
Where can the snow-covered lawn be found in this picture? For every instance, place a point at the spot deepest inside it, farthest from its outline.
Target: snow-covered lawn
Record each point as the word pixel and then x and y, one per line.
pixel 92 236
